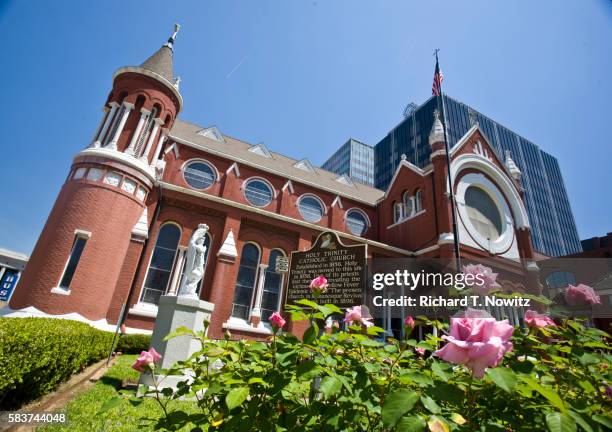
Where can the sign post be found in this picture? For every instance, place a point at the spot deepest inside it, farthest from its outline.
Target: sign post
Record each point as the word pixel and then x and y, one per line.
pixel 343 266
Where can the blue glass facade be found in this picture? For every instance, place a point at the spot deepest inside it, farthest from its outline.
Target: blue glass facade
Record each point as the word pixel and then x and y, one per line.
pixel 355 159
pixel 553 228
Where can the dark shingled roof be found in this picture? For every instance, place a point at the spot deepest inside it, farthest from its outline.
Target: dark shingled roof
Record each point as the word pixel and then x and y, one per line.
pixel 160 63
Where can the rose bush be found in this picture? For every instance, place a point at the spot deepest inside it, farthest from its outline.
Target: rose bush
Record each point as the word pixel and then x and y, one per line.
pixel 498 378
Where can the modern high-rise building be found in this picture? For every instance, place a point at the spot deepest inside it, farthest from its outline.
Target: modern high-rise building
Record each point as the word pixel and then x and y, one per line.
pixel 554 230
pixel 355 159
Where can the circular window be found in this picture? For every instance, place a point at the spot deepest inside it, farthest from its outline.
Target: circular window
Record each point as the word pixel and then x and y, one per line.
pixel 258 193
pixel 356 222
pixel 483 213
pixel 310 208
pixel 199 175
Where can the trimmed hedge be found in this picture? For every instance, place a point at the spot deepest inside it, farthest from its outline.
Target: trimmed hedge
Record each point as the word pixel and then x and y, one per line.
pixel 133 343
pixel 37 354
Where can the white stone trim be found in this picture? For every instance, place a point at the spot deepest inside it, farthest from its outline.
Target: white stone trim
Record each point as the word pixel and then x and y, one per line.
pixel 228 248
pixel 112 144
pixel 204 161
pixel 296 178
pixel 283 218
pixel 262 179
pixel 120 157
pixel 337 201
pixel 288 186
pixel 151 74
pixel 141 228
pixel 147 310
pixel 502 182
pixel 82 233
pixel 238 324
pixel 234 167
pixel 62 291
pixel 401 221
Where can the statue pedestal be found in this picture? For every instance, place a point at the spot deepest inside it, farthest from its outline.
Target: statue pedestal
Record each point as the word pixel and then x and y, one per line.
pixel 174 312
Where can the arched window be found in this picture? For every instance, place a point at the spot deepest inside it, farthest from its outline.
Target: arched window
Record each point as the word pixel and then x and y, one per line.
pixel 418 204
pixel 258 192
pixel 199 174
pixel 162 261
pixel 408 205
pixel 273 285
pixel 146 130
pixel 357 222
pixel 311 208
pixel 398 212
pixel 245 283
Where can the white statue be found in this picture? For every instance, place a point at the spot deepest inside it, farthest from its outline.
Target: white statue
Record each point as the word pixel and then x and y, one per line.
pixel 194 264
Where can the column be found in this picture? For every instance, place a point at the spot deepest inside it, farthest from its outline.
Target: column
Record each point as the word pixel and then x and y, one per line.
pixel 255 317
pixel 160 144
pixel 126 112
pixel 144 114
pixel 109 118
pixel 178 270
pixel 94 140
pixel 145 153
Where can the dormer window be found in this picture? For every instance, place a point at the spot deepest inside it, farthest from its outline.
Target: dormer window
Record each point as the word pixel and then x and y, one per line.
pixel 261 150
pixel 304 165
pixel 213 133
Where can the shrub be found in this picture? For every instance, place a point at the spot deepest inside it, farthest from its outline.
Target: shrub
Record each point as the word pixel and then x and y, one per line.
pixel 553 378
pixel 36 354
pixel 133 343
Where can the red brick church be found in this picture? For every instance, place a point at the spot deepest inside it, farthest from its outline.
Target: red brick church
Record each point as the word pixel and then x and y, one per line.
pixel 120 227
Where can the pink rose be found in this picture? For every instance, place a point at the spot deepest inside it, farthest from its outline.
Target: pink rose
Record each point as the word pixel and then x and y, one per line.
pixel 354 315
pixel 420 351
pixel 477 343
pixel 484 279
pixel 581 295
pixel 536 320
pixel 147 359
pixel 277 321
pixel 318 285
pixel 409 322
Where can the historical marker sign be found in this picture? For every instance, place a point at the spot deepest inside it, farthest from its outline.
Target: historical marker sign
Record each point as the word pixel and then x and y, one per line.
pixel 343 266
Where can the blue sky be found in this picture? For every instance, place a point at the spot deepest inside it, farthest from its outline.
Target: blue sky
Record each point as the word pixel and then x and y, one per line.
pixel 303 76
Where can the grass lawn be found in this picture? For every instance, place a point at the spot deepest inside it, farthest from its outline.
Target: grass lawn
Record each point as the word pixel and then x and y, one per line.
pixel 82 411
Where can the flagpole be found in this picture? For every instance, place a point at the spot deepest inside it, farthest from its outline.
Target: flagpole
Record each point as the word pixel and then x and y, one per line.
pixel 449 177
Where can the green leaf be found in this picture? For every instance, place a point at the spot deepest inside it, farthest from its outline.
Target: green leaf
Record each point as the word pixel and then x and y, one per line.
pixel 397 404
pixel 604 420
pixel 110 404
pixel 549 394
pixel 330 386
pixel 431 405
pixel 581 422
pixel 589 359
pixel 179 331
pixel 307 370
pixel 504 378
pixel 437 369
pixel 236 396
pixel 559 422
pixel 306 302
pixel 411 424
pixel 310 335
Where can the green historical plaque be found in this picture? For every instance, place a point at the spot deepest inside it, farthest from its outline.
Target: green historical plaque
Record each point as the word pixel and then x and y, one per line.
pixel 343 266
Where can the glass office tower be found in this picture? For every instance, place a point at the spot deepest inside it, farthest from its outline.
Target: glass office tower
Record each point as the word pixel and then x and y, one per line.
pixel 553 227
pixel 355 159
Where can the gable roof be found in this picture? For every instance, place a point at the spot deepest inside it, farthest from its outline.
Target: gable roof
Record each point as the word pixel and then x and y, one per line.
pixel 187 134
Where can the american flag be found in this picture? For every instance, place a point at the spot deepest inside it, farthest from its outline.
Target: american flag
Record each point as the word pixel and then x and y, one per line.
pixel 437 80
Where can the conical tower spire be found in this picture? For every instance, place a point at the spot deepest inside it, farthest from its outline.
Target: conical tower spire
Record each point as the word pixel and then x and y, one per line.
pixel 161 62
pixel 437 130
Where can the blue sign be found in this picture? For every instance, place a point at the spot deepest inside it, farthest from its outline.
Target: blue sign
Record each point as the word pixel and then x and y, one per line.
pixel 7 284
